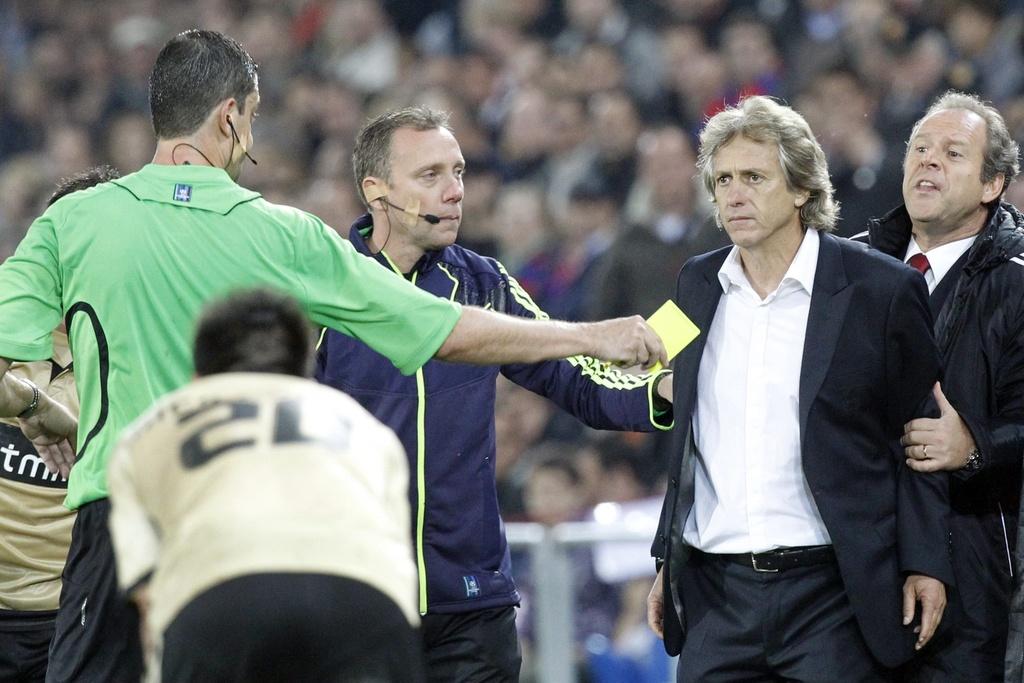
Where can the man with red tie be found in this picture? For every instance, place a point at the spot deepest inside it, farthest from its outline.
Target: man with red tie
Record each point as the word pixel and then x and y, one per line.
pixel 968 244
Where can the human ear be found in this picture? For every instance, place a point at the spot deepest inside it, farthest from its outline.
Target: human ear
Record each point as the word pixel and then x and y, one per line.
pixel 991 189
pixel 373 188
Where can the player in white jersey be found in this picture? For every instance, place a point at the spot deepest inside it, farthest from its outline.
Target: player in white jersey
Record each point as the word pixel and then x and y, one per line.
pixel 260 520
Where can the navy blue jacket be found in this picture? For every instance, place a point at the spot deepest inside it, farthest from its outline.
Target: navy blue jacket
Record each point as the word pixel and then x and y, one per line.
pixel 444 416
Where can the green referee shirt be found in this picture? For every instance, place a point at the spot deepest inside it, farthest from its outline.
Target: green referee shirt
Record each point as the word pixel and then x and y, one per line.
pixel 130 263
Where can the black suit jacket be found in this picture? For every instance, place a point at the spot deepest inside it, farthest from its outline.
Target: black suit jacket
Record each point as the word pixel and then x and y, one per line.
pixel 869 363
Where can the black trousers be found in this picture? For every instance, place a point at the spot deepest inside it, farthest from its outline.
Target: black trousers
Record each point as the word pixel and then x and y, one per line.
pixel 971 644
pixel 24 644
pixel 97 631
pixel 301 628
pixel 472 647
pixel 794 625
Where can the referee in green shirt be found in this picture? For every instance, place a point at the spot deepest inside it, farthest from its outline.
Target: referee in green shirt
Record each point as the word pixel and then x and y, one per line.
pixel 128 265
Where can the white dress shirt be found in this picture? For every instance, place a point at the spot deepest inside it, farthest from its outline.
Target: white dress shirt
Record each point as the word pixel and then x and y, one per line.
pixel 750 491
pixel 941 258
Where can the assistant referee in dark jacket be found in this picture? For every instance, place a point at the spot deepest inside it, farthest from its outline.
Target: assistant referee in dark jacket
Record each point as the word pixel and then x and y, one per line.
pixel 410 169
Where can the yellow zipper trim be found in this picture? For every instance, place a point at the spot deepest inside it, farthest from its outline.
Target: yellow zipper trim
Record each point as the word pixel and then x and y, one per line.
pixel 451 277
pixel 421 457
pixel 421 474
pixel 421 485
pixel 421 437
pixel 393 266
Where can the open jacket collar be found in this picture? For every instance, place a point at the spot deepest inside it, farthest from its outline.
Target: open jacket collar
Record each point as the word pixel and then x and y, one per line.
pixel 360 233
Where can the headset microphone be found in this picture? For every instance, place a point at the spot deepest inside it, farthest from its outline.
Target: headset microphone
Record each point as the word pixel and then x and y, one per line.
pixel 428 217
pixel 239 141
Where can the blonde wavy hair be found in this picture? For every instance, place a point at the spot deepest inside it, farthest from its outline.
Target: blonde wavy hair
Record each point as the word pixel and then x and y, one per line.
pixel 803 162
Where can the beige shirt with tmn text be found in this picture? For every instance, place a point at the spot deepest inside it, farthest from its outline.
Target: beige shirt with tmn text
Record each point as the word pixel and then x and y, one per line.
pixel 240 474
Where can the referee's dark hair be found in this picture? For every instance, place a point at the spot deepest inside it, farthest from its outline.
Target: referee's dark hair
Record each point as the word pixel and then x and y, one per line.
pixel 255 330
pixel 195 71
pixel 83 180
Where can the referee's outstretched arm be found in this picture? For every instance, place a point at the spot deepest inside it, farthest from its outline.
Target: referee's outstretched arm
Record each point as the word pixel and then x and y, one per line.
pixel 489 338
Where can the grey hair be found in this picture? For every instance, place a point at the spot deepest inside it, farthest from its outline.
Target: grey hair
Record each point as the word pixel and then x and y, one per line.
pixel 803 162
pixel 1001 151
pixel 371 155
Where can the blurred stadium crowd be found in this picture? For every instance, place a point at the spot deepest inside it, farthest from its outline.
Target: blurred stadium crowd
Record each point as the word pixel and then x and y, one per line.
pixel 577 118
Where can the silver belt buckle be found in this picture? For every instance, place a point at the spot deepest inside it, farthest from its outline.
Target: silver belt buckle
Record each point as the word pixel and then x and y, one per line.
pixel 753 563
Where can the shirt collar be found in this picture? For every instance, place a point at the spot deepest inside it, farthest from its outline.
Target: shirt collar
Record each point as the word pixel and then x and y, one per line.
pixel 188 186
pixel 801 270
pixel 943 257
pixel 359 235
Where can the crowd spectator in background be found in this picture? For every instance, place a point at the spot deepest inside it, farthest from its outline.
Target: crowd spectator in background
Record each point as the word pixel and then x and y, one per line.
pixel 545 90
pixel 864 165
pixel 522 421
pixel 555 493
pixel 986 48
pixel 565 275
pixel 629 40
pixel 665 225
pixel 563 482
pixel 526 233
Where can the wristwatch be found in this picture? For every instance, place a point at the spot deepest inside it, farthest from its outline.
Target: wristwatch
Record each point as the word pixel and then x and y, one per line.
pixel 974 460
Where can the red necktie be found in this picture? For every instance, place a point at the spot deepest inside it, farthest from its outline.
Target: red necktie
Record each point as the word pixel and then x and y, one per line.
pixel 920 261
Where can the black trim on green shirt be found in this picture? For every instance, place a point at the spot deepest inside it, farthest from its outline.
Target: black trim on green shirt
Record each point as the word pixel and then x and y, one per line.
pixel 103 354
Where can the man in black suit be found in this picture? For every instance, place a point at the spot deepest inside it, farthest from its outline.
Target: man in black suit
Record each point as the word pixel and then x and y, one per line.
pixel 969 244
pixel 794 542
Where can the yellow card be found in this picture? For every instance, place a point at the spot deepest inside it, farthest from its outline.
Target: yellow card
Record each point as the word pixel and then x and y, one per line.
pixel 674 328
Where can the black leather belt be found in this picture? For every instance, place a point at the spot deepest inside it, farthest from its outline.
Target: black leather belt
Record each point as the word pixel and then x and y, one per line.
pixel 782 559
